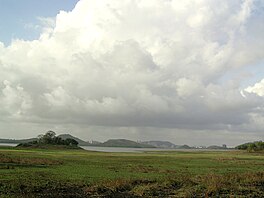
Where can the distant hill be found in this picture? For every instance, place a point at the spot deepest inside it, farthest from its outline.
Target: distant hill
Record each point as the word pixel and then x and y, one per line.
pixel 68 136
pixel 216 147
pixel 160 144
pixel 184 147
pixel 94 143
pixel 109 143
pixel 62 136
pixel 124 143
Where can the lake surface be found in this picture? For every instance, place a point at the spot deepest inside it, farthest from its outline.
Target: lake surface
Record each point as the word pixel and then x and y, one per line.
pixel 108 149
pixel 140 150
pixel 126 150
pixel 123 150
pixel 7 144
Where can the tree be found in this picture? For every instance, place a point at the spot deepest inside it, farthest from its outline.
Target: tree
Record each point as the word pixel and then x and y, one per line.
pixel 259 145
pixel 48 138
pixel 251 147
pixel 51 138
pixel 71 142
pixel 58 140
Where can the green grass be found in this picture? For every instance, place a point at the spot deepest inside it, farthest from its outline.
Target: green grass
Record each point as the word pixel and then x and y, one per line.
pixel 40 172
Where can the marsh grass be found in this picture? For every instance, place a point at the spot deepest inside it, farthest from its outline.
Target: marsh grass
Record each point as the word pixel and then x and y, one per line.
pixel 76 173
pixel 186 186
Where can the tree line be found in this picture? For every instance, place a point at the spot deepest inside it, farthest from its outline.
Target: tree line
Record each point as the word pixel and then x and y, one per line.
pixel 252 146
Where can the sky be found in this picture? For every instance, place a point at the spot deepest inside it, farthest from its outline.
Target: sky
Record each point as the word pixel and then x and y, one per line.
pixel 191 72
pixel 22 19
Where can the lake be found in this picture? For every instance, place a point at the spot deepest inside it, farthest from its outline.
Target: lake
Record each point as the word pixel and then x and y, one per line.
pixel 106 149
pixel 123 150
pixel 8 144
pixel 139 150
pixel 127 150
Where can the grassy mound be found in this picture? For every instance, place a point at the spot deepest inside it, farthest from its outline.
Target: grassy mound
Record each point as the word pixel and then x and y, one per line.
pixel 47 146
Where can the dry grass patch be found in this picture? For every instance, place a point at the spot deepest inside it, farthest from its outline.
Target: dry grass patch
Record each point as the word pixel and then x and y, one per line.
pixel 5 159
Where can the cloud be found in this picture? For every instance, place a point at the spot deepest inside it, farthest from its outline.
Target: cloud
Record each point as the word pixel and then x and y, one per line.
pixel 137 64
pixel 15 101
pixel 258 88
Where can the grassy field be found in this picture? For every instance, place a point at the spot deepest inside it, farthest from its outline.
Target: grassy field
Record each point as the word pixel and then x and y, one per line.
pixel 79 173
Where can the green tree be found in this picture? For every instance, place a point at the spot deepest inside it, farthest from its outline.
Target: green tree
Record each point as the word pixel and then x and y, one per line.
pixel 251 147
pixel 48 138
pixel 71 142
pixel 259 145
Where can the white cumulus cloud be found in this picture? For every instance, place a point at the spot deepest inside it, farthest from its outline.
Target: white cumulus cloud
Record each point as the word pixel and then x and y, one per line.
pixel 137 63
pixel 258 88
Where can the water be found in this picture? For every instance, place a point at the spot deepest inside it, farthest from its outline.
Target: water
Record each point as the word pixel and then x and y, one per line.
pixel 122 150
pixel 125 150
pixel 108 149
pixel 8 144
pixel 140 150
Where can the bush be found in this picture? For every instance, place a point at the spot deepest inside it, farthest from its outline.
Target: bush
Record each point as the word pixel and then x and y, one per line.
pixel 252 146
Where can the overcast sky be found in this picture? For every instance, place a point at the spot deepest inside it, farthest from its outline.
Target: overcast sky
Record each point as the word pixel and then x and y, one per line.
pixel 191 72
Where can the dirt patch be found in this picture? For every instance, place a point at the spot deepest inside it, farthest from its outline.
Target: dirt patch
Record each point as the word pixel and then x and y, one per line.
pixel 10 160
